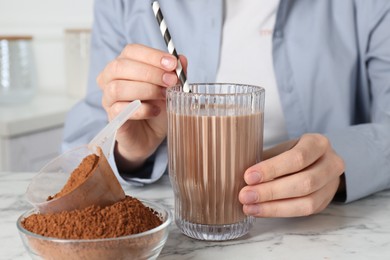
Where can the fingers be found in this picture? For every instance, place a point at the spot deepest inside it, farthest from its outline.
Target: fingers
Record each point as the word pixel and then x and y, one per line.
pixel 147 55
pixel 137 71
pixel 154 57
pixel 306 187
pixel 127 69
pixel 141 63
pixel 147 110
pixel 296 185
pixel 278 149
pixel 294 207
pixel 141 73
pixel 307 150
pixel 123 90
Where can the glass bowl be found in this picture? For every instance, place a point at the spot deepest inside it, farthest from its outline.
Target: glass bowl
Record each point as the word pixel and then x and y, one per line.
pixel 145 245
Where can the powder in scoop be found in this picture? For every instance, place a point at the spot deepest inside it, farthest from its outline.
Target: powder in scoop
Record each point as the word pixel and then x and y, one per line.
pixel 78 176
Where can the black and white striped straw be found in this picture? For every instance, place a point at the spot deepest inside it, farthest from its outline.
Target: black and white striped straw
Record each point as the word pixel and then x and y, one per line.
pixel 171 48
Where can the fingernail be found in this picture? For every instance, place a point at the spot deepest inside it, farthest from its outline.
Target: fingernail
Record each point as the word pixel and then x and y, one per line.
pixel 252 210
pixel 168 62
pixel 248 197
pixel 169 79
pixel 252 178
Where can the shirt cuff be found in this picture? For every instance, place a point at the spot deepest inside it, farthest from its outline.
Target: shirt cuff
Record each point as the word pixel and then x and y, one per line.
pixel 152 170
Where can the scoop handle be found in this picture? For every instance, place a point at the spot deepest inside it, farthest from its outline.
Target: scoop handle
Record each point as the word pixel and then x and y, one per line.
pixel 105 138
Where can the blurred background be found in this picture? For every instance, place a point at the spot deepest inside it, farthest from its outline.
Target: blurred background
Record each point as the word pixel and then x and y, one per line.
pixel 44 53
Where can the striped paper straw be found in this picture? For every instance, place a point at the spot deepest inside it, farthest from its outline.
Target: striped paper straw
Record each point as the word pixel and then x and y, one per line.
pixel 171 48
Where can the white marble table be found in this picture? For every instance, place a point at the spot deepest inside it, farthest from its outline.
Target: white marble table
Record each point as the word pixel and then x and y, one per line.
pixel 359 230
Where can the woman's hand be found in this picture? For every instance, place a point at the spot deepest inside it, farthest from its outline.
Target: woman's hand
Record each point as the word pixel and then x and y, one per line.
pixel 296 178
pixel 143 73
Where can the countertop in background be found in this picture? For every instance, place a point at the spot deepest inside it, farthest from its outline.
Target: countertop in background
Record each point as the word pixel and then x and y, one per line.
pixel 44 111
pixel 31 132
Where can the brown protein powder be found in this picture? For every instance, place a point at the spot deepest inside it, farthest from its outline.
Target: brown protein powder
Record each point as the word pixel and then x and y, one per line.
pixel 78 176
pixel 126 217
pixel 94 231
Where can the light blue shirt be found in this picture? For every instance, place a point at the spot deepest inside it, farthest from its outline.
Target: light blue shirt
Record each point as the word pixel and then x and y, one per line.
pixel 332 66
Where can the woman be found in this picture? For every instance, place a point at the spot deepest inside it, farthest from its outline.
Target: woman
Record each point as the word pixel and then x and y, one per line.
pixel 325 66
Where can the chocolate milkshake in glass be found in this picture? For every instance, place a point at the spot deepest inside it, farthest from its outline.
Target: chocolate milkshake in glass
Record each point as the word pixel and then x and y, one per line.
pixel 215 133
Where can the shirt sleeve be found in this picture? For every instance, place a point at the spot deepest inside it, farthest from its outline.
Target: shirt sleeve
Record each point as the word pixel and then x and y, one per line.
pixel 154 167
pixel 365 148
pixel 88 117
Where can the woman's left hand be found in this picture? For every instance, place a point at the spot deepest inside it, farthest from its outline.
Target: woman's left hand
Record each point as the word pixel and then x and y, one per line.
pixel 296 178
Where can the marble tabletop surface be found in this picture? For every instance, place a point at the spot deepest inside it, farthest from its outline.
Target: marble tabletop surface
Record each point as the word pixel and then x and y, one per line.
pixel 359 230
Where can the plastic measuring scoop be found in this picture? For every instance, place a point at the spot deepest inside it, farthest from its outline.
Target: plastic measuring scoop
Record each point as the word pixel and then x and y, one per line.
pixel 101 188
pixel 105 138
